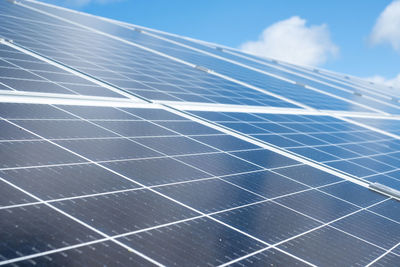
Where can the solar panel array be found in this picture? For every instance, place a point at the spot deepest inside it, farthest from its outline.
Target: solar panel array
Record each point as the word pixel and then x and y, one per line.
pixel 122 145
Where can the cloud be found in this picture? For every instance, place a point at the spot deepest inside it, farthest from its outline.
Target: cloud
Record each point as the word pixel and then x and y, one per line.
pixel 387 27
pixel 293 41
pixel 395 82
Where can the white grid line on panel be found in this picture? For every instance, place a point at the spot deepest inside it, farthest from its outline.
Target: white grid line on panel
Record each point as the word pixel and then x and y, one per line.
pixel 383 255
pixel 323 82
pixel 311 230
pixel 136 182
pixel 266 146
pixel 54 98
pixel 368 127
pixel 170 57
pixel 81 222
pixel 69 69
pixel 263 72
pixel 210 214
pixel 209 44
pixel 146 187
pixel 272 110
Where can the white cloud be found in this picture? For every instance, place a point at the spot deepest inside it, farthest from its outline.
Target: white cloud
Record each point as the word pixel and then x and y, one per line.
pixel 395 82
pixel 387 26
pixel 293 41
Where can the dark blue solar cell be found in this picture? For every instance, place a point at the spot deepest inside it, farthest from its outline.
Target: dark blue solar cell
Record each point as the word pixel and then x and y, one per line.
pixel 395 174
pixel 373 164
pixel 33 153
pixel 351 168
pixel 103 113
pixel 31 111
pixel 213 116
pixel 42 227
pixel 153 114
pixel 274 128
pixel 271 257
pixel 277 140
pixel 244 116
pixel 125 212
pixel 67 181
pixel 371 227
pixel 10 195
pixel 329 138
pixel 226 142
pixel 243 127
pixel 388 159
pixel 268 221
pixel 108 149
pixel 396 249
pixel 156 171
pixel 188 128
pixel 308 175
pixel 388 260
pixel 135 128
pixel 219 163
pixel 107 253
pixel 354 193
pixel 18 74
pixel 176 145
pixel 209 195
pixel 266 183
pixel 12 132
pixel 318 205
pixel 338 151
pixel 266 158
pixel 389 208
pixel 57 129
pixel 196 242
pixel 329 247
pixel 314 154
pixel 360 149
pixel 306 139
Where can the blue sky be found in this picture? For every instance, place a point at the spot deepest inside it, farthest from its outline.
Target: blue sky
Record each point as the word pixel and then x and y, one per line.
pixel 338 35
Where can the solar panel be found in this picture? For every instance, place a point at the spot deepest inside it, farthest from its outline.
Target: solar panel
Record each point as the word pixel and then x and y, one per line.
pixel 122 145
pixel 350 148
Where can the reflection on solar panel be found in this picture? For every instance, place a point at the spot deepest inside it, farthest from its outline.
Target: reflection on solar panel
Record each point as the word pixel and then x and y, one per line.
pixel 121 145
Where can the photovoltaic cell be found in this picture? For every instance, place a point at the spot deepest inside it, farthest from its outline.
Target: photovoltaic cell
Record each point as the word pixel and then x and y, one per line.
pixel 40 226
pixel 193 242
pixel 344 249
pixel 95 254
pixel 123 65
pixel 391 126
pixel 210 195
pixel 356 150
pixel 272 256
pixel 22 72
pixel 336 88
pixel 274 222
pixel 67 181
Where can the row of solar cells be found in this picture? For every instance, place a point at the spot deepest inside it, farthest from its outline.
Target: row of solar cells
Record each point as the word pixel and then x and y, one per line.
pixel 340 144
pixel 343 88
pixel 174 190
pixel 346 91
pixel 124 65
